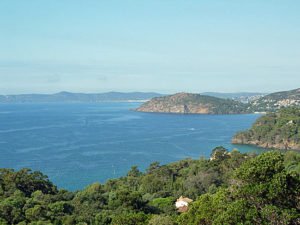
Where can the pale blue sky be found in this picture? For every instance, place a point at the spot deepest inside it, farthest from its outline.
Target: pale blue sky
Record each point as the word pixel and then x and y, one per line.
pixel 166 46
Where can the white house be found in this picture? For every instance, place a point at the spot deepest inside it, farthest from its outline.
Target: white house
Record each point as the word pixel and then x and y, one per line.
pixel 182 204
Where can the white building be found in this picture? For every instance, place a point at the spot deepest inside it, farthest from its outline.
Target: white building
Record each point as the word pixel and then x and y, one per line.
pixel 182 204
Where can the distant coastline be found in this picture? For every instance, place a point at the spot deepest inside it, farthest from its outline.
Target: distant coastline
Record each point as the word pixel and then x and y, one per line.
pixel 113 96
pixel 68 97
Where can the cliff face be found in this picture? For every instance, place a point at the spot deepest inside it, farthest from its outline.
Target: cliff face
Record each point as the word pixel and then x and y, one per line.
pixel 186 103
pixel 279 130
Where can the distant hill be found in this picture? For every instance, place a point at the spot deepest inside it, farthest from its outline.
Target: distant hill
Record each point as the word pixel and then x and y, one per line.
pixel 280 130
pixel 78 97
pixel 275 101
pixel 187 103
pixel 244 97
pixel 253 102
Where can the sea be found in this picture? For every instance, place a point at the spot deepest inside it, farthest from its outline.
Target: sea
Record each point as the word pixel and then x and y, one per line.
pixel 77 144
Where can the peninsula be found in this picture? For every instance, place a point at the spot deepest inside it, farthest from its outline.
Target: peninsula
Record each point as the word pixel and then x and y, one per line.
pixel 187 103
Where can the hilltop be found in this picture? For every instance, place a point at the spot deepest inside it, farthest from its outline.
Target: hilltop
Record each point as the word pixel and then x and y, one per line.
pixel 187 103
pixel 280 130
pixel 277 100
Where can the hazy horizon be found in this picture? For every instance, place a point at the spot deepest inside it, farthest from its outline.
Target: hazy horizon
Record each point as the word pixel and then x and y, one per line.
pixel 149 46
pixel 124 92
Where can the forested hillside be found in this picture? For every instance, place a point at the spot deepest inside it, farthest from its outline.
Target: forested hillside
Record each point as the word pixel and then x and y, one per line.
pixel 279 130
pixel 229 188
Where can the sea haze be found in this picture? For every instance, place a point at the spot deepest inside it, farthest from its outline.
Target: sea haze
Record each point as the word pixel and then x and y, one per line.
pixel 78 144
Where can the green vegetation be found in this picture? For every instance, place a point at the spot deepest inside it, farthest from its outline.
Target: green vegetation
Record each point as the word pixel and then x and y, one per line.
pixel 231 188
pixel 279 130
pixel 263 191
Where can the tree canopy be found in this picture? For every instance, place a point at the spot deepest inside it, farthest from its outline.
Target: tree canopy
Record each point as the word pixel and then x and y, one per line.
pixel 229 188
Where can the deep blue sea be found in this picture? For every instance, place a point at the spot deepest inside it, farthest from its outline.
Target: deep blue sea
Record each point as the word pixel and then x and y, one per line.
pixel 78 144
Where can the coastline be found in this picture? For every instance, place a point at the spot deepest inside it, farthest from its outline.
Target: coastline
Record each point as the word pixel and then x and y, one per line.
pixel 266 146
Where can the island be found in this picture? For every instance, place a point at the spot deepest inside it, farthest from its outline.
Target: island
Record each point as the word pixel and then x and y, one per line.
pixel 280 130
pixel 188 103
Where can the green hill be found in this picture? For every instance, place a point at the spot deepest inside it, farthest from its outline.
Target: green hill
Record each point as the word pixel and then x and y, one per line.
pixel 280 130
pixel 186 103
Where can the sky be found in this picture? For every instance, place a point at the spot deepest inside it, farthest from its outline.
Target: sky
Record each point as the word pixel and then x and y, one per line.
pixel 166 46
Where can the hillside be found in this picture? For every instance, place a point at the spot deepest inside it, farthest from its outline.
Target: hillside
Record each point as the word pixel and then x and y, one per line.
pixel 230 188
pixel 186 103
pixel 275 101
pixel 78 97
pixel 280 130
pixel 245 97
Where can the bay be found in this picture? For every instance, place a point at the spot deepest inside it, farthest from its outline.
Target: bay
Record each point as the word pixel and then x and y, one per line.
pixel 78 144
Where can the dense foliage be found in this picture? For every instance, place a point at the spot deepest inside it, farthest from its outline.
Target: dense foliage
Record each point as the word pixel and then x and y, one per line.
pixel 263 191
pixel 278 130
pixel 229 188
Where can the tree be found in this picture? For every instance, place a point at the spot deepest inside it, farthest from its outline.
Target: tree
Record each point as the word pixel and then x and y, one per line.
pixel 130 219
pixel 161 220
pixel 153 166
pixel 219 153
pixel 134 172
pixel 262 192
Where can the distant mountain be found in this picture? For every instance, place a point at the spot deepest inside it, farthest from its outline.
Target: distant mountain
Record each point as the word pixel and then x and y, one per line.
pixel 187 103
pixel 244 97
pixel 280 130
pixel 78 97
pixel 275 101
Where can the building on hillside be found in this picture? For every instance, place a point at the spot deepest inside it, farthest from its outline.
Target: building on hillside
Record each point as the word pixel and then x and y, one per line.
pixel 182 204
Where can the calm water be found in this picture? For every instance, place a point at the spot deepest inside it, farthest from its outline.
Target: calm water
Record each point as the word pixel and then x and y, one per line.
pixel 77 144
